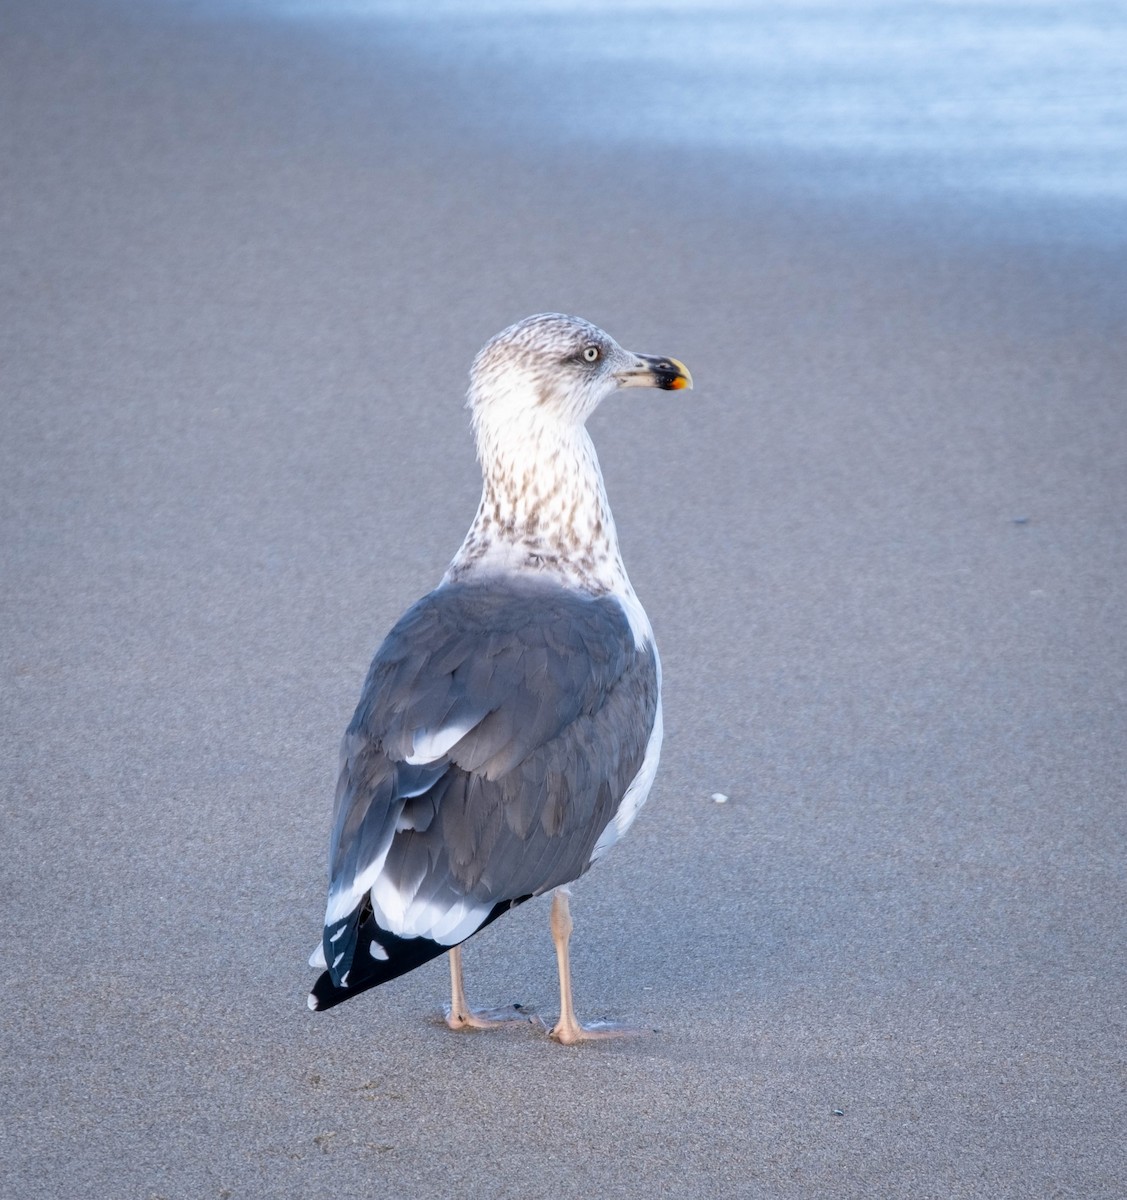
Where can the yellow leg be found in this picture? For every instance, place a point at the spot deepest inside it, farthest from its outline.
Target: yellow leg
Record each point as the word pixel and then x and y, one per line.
pixel 460 1016
pixel 567 1029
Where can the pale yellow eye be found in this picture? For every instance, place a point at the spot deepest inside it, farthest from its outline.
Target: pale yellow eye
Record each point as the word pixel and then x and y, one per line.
pixel 591 354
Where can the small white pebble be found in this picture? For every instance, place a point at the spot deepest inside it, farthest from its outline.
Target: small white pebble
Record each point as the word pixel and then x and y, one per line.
pixel 720 798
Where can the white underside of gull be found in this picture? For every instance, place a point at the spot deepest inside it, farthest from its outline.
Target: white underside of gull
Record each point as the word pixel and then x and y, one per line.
pixel 639 623
pixel 636 793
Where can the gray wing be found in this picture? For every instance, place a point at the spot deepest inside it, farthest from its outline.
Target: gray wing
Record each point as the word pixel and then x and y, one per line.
pixel 495 737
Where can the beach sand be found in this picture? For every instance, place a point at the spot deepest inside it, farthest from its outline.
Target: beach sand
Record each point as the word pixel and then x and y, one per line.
pixel 882 545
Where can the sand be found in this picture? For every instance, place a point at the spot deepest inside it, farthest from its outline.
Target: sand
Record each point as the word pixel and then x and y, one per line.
pixel 882 544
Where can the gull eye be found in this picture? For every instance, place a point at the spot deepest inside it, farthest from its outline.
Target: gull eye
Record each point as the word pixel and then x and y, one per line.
pixel 591 354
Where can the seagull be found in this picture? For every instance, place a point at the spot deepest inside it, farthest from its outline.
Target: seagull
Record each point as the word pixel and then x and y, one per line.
pixel 509 727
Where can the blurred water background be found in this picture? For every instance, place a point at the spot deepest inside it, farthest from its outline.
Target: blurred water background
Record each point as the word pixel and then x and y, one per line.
pixel 991 103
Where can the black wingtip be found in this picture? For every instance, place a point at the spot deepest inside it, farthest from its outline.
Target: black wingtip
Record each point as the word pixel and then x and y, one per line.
pixel 396 956
pixel 373 956
pixel 403 955
pixel 326 994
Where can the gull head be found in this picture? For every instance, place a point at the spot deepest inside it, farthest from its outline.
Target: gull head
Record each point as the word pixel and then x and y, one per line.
pixel 554 368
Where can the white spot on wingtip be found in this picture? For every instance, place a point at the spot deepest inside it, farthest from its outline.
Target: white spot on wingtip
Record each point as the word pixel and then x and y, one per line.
pixel 312 1002
pixel 377 951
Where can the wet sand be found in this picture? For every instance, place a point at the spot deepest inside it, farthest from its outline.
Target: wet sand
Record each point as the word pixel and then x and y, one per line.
pixel 882 545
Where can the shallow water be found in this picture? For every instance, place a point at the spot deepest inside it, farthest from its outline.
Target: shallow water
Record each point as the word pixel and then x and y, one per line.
pixel 986 100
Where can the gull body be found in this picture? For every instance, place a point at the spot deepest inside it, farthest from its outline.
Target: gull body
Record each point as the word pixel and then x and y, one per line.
pixel 510 725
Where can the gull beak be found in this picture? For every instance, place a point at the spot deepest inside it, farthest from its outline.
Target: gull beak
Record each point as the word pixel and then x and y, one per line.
pixel 669 374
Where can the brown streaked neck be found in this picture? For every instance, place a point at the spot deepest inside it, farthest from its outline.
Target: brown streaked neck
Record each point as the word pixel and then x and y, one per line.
pixel 543 509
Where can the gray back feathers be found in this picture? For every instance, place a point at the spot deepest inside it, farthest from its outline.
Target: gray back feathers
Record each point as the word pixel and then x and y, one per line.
pixel 550 706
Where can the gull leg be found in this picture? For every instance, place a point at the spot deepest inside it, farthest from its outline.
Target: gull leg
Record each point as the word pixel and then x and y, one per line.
pixel 567 1029
pixel 460 1016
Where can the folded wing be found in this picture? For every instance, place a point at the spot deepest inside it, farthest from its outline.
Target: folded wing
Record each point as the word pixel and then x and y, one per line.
pixel 497 733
